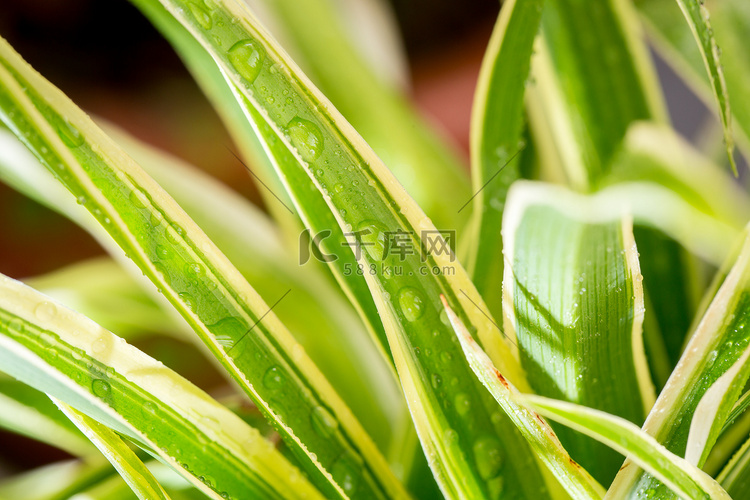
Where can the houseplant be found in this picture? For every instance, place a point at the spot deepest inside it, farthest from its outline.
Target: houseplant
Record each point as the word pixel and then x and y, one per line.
pixel 593 226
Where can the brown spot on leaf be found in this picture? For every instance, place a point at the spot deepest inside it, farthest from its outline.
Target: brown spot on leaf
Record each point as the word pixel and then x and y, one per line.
pixel 502 379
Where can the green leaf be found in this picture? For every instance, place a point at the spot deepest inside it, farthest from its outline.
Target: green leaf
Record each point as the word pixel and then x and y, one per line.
pixel 730 20
pixel 576 480
pixel 574 305
pixel 30 413
pixel 673 279
pixel 124 460
pixel 418 157
pixel 592 79
pixel 495 143
pixel 105 292
pixel 200 283
pixel 64 354
pixel 253 244
pixel 464 445
pixel 682 477
pixel 57 481
pixel 321 223
pixel 697 15
pixel 735 476
pixel 691 410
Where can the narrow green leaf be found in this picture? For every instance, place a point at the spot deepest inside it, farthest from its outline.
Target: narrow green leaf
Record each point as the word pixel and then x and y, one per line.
pixel 203 286
pixel 576 480
pixel 691 410
pixel 30 413
pixel 496 144
pixel 421 160
pixel 253 244
pixel 56 481
pixel 124 460
pixel 735 476
pixel 464 445
pixel 682 477
pixel 592 79
pixel 697 15
pixel 62 353
pixel 574 305
pixel 321 223
pixel 675 41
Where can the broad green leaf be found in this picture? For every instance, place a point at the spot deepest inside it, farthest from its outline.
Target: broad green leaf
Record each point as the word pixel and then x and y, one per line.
pixel 730 20
pixel 420 159
pixel 496 143
pixel 697 15
pixel 592 79
pixel 656 154
pixel 691 410
pixel 576 480
pixel 202 285
pixel 122 458
pixel 324 232
pixel 463 441
pixel 30 413
pixel 574 306
pixel 62 353
pixel 682 477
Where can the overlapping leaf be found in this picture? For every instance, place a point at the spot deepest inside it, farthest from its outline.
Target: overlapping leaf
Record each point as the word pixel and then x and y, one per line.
pixel 574 306
pixel 64 354
pixel 691 410
pixel 229 316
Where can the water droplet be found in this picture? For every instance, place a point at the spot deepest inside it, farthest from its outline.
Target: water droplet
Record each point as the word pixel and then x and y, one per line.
pixel 70 135
pixel 411 302
pixel 247 57
pixel 338 187
pixel 200 15
pixel 274 378
pixel 188 300
pixel 462 403
pixel 100 345
pixel 137 198
pixel 323 422
pixel 306 137
pixel 148 409
pixel 174 233
pixel 446 357
pixel 372 236
pixel 225 341
pixel 100 388
pixel 346 474
pixel 436 380
pixel 488 456
pixel 45 311
pixel 195 269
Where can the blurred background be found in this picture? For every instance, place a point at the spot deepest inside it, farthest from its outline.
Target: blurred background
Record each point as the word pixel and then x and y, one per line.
pixel 130 76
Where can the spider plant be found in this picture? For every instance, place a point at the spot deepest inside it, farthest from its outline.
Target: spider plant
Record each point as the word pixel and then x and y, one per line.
pixel 567 322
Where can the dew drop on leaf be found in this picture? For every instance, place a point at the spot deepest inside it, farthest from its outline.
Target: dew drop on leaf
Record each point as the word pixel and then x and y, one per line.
pixel 488 457
pixel 247 57
pixel 274 378
pixel 323 422
pixel 100 388
pixel 411 302
pixel 346 474
pixel 306 137
pixel 45 311
pixel 201 16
